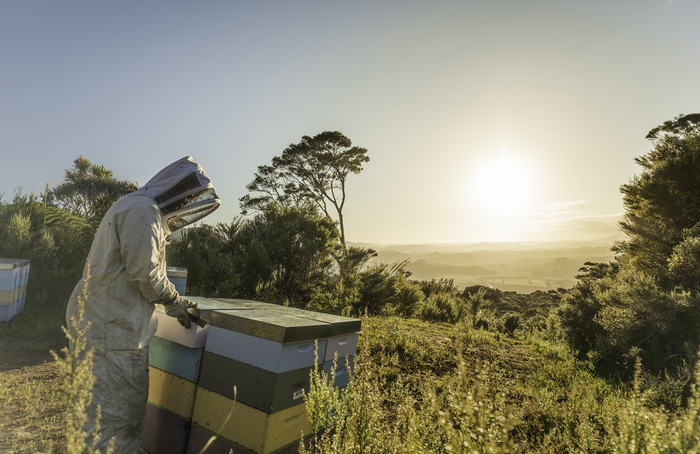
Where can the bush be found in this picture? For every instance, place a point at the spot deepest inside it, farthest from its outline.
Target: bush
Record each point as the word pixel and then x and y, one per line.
pixel 510 322
pixel 441 307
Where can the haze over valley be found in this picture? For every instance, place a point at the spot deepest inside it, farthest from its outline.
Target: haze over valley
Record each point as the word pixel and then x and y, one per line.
pixel 516 266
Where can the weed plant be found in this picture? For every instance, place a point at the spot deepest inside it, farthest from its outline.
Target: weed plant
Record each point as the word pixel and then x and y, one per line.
pixel 75 369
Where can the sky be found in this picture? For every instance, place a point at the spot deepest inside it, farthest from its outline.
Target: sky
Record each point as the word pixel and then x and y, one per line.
pixel 483 121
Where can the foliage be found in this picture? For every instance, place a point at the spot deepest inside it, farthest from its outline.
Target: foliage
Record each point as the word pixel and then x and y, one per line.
pixel 661 203
pixel 580 307
pixel 646 303
pixel 210 269
pixel 281 255
pixel 479 393
pixel 299 245
pixel 442 307
pixel 89 190
pixel 511 322
pixel 56 243
pixel 489 293
pixel 313 171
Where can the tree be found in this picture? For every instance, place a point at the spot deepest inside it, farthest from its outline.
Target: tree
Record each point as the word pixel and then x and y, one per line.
pixel 89 190
pixel 210 268
pixel 56 243
pixel 647 303
pixel 312 171
pixel 281 255
pixel 662 202
pixel 299 246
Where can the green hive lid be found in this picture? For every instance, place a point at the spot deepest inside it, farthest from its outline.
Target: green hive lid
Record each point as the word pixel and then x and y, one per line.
pixel 8 264
pixel 205 306
pixel 273 323
pixel 338 325
pixel 270 321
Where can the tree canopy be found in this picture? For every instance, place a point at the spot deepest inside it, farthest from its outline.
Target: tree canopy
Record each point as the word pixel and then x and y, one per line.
pixel 89 190
pixel 313 171
pixel 647 303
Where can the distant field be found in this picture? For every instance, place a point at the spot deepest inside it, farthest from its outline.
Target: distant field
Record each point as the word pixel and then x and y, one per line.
pixel 523 268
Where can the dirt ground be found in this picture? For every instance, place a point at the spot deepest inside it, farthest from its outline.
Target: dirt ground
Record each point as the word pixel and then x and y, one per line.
pixel 30 408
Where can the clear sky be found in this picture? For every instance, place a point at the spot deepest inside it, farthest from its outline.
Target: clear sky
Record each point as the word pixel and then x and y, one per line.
pixel 484 120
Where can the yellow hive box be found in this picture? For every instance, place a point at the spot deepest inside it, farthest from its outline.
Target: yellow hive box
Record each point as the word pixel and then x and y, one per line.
pixel 171 393
pixel 10 296
pixel 248 427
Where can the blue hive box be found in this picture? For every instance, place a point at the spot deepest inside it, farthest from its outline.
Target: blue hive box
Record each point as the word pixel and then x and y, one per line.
pixel 14 274
pixel 178 276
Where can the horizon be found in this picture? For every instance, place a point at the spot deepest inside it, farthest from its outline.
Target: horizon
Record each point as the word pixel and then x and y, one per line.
pixel 597 240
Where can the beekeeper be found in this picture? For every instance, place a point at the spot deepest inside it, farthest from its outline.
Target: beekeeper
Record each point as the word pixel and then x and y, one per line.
pixel 127 278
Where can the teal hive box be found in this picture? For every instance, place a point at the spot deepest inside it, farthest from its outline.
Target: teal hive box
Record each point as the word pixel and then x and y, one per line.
pixel 343 370
pixel 174 358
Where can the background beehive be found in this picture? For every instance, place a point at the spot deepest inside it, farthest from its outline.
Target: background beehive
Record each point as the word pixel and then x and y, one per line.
pixel 14 274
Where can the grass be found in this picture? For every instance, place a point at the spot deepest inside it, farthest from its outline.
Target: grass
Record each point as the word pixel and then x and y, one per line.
pixel 31 414
pixel 427 388
pixel 420 387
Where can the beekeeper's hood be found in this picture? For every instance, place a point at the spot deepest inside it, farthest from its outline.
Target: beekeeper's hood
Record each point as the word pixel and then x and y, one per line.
pixel 184 193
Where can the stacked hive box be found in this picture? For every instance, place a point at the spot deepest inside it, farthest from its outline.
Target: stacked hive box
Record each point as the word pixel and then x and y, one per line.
pixel 265 352
pixel 255 366
pixel 174 359
pixel 14 274
pixel 175 356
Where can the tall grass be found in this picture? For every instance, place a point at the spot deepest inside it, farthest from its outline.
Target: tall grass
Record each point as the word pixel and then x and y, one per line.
pixel 75 369
pixel 499 395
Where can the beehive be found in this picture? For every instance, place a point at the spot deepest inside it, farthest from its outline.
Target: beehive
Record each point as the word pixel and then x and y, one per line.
pixel 14 274
pixel 265 351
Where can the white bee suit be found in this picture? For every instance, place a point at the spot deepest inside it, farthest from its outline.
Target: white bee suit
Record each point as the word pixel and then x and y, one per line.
pixel 127 278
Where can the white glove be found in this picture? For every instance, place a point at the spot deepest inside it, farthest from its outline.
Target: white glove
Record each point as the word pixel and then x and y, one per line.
pixel 178 309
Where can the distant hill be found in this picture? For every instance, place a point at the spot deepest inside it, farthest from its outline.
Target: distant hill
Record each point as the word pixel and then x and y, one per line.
pixel 521 267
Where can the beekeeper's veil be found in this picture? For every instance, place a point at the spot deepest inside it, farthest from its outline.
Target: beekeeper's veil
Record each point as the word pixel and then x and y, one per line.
pixel 184 193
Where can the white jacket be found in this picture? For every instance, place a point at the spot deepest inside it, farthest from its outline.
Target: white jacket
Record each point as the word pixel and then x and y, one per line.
pixel 127 277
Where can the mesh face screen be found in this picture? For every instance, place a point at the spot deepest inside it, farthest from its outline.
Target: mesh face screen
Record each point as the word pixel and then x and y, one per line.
pixel 194 209
pixel 189 182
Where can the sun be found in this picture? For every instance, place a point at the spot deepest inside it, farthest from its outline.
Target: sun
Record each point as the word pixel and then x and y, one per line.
pixel 503 185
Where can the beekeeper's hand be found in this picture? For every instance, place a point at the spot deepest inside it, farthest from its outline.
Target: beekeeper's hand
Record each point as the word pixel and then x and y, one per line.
pixel 178 309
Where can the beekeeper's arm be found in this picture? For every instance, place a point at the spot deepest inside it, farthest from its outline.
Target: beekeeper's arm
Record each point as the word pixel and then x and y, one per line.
pixel 142 237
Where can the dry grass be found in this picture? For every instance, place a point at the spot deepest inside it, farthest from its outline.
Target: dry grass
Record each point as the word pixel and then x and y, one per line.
pixel 31 414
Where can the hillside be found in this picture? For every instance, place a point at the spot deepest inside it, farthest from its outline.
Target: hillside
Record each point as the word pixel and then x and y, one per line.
pixel 521 267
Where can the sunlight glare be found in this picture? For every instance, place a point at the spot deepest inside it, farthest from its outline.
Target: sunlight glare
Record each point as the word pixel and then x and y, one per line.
pixel 503 185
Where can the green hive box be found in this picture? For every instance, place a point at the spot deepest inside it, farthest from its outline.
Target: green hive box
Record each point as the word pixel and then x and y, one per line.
pixel 255 387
